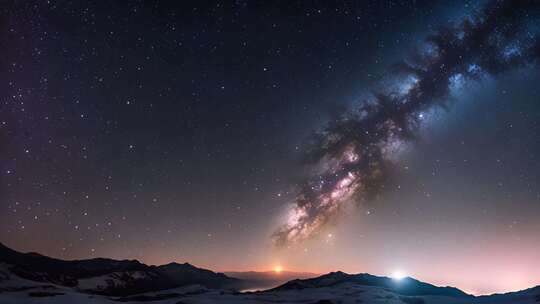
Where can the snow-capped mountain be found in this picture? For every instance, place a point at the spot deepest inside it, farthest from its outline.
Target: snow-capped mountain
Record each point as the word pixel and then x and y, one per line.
pixel 33 278
pixel 107 276
pixel 405 286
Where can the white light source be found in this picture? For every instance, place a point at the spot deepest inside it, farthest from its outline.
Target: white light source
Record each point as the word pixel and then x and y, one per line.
pixel 398 275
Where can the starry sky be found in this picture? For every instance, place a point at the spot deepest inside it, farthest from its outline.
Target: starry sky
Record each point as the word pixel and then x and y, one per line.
pixel 167 131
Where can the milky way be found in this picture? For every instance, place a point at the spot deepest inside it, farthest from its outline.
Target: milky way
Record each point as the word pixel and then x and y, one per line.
pixel 350 157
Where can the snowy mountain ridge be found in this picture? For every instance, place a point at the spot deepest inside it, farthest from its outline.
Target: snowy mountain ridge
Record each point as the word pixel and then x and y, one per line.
pixel 107 276
pixel 33 278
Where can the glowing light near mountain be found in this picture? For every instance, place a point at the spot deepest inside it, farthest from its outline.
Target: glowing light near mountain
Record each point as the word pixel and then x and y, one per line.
pixel 398 275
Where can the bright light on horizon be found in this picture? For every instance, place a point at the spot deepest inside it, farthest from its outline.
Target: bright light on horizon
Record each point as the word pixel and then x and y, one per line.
pixel 278 269
pixel 398 275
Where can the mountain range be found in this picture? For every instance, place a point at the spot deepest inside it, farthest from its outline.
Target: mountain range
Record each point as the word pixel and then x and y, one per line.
pixel 260 280
pixel 34 278
pixel 110 277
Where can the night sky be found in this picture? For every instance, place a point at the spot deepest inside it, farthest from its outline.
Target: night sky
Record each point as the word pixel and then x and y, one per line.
pixel 245 135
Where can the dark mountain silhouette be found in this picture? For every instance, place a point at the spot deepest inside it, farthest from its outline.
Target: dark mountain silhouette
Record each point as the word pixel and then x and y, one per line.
pixel 131 280
pixel 111 277
pixel 186 274
pixel 405 286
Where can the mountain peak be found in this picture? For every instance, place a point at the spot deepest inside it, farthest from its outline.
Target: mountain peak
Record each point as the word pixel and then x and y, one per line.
pixel 406 286
pixel 177 265
pixel 134 276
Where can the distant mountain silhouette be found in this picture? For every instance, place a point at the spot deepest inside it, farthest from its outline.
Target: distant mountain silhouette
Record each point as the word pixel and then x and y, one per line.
pixel 267 279
pixel 405 286
pixel 108 276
